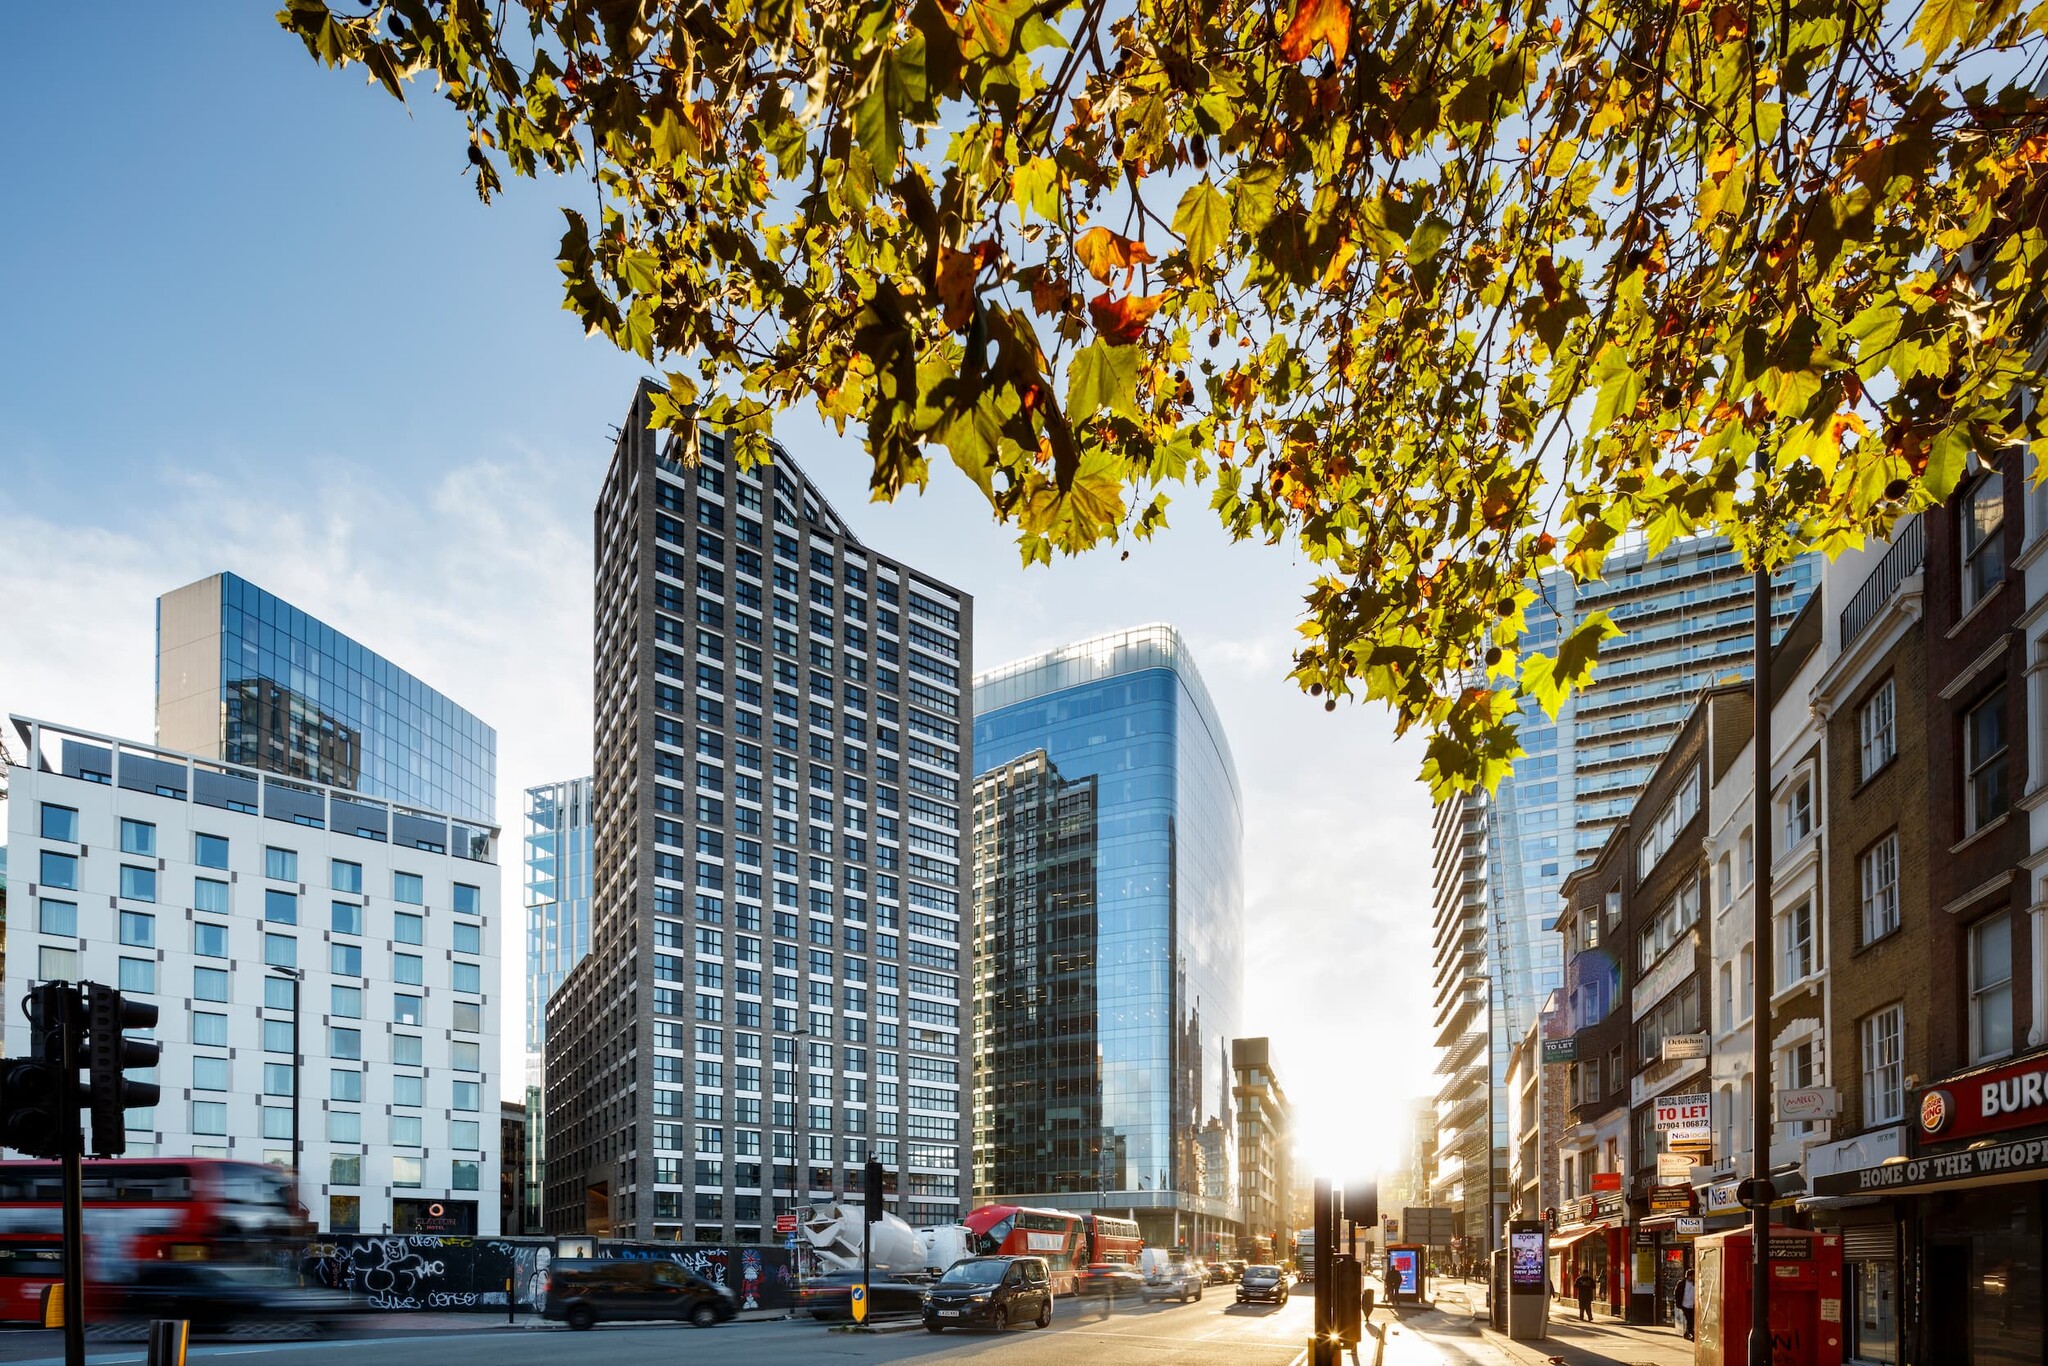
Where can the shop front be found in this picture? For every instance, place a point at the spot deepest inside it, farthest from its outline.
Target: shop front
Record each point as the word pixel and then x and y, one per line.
pixel 1592 1237
pixel 1871 1230
pixel 1966 1225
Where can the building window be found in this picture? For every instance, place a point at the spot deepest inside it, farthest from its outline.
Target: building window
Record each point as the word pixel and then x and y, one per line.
pixel 1878 872
pixel 1884 1067
pixel 344 876
pixel 209 1074
pixel 138 884
pixel 1725 873
pixel 408 1090
pixel 210 941
pixel 56 965
pixel 58 917
pixel 138 837
pixel 344 1126
pixel 408 969
pixel 466 1057
pixel 345 1084
pixel 280 908
pixel 466 1135
pixel 280 951
pixel 209 984
pixel 345 960
pixel 59 871
pixel 281 865
pixel 1877 729
pixel 1747 848
pixel 1984 788
pixel 1795 932
pixel 210 896
pixel 209 1117
pixel 1681 808
pixel 1799 813
pixel 345 1043
pixel 405 1009
pixel 1991 988
pixel 210 851
pixel 347 1002
pixel 1983 527
pixel 408 889
pixel 138 931
pixel 347 918
pixel 468 899
pixel 59 823
pixel 1726 1019
pixel 465 1174
pixel 405 1132
pixel 408 1050
pixel 345 1212
pixel 1748 981
pixel 209 1029
pixel 405 1171
pixel 409 929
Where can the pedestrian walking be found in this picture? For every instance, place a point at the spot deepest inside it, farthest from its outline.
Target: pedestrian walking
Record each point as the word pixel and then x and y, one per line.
pixel 1687 1296
pixel 1585 1285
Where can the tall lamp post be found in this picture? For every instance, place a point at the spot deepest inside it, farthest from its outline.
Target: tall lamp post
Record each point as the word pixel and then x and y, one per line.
pixel 1761 1194
pixel 297 977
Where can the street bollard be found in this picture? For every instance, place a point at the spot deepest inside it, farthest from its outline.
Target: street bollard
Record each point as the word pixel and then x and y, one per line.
pixel 167 1339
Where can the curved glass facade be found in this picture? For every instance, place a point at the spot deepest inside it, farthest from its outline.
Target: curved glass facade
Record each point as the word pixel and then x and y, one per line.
pixel 1145 906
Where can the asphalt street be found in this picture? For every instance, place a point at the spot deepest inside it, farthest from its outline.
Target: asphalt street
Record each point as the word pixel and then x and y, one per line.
pixel 1213 1332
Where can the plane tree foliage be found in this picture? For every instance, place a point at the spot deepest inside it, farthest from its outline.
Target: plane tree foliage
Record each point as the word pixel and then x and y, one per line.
pixel 1451 295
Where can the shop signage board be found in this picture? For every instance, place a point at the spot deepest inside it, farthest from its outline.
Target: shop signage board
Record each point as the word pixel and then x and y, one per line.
pixel 1671 1199
pixel 1691 1227
pixel 1685 1117
pixel 1560 1050
pixel 1678 1047
pixel 1674 1167
pixel 1808 1102
pixel 1677 964
pixel 1606 1181
pixel 2020 1155
pixel 1987 1101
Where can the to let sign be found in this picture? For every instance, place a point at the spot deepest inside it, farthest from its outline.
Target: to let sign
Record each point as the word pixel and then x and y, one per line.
pixel 1693 1111
pixel 2012 1096
pixel 1560 1050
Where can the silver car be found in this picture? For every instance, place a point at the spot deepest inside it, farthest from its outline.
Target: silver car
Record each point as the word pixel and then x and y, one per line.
pixel 1175 1280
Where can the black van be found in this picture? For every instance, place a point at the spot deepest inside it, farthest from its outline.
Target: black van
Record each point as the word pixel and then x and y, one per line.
pixel 584 1290
pixel 991 1293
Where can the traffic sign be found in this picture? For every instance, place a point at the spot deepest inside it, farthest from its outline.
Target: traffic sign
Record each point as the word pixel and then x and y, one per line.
pixel 785 1223
pixel 860 1304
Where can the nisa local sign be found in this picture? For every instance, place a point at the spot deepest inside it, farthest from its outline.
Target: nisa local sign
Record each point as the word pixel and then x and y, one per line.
pixel 1988 1101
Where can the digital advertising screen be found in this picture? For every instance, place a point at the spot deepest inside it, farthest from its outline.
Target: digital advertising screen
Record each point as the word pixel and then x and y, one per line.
pixel 1407 1264
pixel 1525 1260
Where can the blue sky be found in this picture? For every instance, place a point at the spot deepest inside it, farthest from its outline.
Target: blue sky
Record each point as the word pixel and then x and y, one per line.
pixel 256 320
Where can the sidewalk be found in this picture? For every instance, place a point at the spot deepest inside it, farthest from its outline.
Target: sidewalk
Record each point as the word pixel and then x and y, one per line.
pixel 1601 1343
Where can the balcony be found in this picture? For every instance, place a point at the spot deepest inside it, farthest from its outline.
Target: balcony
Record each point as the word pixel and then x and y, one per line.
pixel 1909 549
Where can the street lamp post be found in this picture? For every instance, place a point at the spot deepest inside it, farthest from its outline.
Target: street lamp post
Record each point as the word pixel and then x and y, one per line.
pixel 297 977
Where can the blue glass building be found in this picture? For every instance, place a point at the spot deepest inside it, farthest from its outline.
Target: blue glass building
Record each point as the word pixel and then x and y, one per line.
pixel 1112 749
pixel 560 830
pixel 245 677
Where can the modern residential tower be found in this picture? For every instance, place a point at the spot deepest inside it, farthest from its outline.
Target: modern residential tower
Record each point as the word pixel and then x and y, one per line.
pixel 1501 861
pixel 773 989
pixel 1109 938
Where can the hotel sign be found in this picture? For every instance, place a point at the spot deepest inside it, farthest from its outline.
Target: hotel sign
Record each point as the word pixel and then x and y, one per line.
pixel 2013 1096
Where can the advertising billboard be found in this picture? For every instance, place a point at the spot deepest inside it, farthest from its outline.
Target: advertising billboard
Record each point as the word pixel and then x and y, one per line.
pixel 1525 1260
pixel 1407 1264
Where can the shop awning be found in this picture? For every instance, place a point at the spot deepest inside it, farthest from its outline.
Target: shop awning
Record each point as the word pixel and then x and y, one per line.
pixel 1563 1242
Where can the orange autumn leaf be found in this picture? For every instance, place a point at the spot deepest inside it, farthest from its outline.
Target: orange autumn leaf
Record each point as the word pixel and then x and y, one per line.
pixel 1122 321
pixel 1318 21
pixel 1105 253
pixel 957 270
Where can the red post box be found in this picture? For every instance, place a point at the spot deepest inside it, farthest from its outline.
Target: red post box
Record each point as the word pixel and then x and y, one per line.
pixel 1806 1298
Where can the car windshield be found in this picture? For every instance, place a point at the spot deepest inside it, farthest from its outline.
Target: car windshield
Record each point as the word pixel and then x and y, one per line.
pixel 974 1273
pixel 1262 1271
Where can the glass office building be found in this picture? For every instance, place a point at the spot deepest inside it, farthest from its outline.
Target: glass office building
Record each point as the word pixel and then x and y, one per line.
pixel 247 678
pixel 1109 926
pixel 1501 861
pixel 560 828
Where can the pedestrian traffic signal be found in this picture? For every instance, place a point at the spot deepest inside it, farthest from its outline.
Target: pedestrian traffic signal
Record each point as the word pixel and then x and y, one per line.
pixel 37 1111
pixel 111 1053
pixel 1362 1202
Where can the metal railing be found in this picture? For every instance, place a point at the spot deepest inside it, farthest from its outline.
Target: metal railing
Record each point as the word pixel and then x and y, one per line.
pixel 1909 549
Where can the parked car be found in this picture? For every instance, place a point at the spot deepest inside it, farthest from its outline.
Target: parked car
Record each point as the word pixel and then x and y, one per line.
pixel 1175 1281
pixel 991 1293
pixel 1111 1279
pixel 829 1298
pixel 1262 1283
pixel 585 1291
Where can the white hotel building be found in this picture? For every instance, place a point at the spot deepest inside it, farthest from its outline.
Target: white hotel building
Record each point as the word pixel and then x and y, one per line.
pixel 203 887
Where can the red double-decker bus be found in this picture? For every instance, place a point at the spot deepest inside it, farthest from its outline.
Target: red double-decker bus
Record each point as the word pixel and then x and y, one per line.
pixel 141 1212
pixel 1066 1241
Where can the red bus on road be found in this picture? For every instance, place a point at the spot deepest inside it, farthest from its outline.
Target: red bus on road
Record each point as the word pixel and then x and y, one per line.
pixel 1066 1241
pixel 140 1210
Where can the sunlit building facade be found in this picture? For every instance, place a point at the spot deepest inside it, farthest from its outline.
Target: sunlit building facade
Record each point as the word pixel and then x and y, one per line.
pixel 559 832
pixel 1108 817
pixel 1501 861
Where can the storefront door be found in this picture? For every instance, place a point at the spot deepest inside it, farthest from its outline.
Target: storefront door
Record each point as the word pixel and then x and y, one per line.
pixel 1984 1288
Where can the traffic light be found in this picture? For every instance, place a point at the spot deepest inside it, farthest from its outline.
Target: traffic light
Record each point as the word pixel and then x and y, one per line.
pixel 110 1054
pixel 36 1112
pixel 871 1183
pixel 1362 1202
